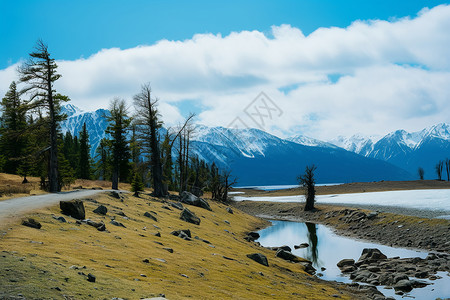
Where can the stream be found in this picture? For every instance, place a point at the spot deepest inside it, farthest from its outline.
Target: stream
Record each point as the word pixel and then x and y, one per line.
pixel 326 249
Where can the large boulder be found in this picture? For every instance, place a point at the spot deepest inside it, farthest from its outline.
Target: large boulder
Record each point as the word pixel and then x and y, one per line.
pixel 191 199
pixel 287 255
pixel 73 208
pixel 188 216
pixel 345 262
pixel 252 236
pixel 259 258
pixel 370 255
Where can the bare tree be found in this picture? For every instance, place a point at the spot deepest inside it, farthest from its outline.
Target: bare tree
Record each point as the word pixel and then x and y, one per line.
pixel 307 181
pixel 39 74
pixel 148 124
pixel 421 172
pixel 439 166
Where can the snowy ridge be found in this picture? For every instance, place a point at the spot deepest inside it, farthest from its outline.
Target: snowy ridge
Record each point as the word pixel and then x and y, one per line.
pixel 249 142
pixel 308 141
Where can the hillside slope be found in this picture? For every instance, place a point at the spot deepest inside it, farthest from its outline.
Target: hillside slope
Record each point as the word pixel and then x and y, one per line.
pixel 132 262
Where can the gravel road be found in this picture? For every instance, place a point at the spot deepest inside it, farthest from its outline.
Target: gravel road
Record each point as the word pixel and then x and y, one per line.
pixel 18 206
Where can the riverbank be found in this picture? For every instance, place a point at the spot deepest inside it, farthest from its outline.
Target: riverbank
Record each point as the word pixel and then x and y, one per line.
pixel 132 252
pixel 382 227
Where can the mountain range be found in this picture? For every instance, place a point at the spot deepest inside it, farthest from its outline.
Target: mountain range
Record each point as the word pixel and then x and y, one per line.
pixel 259 158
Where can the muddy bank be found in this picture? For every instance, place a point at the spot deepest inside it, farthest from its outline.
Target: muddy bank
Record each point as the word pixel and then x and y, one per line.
pixel 385 228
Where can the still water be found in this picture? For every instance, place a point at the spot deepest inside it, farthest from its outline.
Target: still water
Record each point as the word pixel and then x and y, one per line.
pixel 326 249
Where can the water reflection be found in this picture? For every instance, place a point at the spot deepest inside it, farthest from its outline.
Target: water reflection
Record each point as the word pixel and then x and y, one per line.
pixel 313 252
pixel 326 249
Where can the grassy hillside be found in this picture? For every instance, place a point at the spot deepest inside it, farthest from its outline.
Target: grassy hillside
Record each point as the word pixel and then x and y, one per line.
pixel 52 262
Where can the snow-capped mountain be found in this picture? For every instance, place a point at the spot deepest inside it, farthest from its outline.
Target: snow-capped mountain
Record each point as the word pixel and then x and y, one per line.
pixel 257 157
pixel 408 150
pixel 95 124
pixel 358 143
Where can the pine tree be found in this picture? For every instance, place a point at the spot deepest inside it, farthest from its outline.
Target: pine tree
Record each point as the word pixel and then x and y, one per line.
pixel 12 129
pixel 137 185
pixel 39 73
pixel 84 165
pixel 119 123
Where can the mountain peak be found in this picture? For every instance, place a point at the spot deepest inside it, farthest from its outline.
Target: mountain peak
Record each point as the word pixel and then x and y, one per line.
pixel 70 110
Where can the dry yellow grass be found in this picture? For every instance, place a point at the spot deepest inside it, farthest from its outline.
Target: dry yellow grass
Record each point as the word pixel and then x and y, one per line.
pixel 39 261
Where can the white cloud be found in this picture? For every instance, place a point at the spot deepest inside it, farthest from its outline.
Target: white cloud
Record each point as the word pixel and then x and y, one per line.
pixel 393 74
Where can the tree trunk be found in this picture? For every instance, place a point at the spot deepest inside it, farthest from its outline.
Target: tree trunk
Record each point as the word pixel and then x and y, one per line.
pixel 53 163
pixel 115 178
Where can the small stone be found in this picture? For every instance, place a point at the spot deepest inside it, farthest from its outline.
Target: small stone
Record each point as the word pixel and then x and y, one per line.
pixel 229 210
pixel 32 223
pixel 170 250
pixel 101 210
pixel 91 278
pixel 149 215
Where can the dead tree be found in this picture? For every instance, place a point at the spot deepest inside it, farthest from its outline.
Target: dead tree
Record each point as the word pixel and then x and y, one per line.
pixel 307 181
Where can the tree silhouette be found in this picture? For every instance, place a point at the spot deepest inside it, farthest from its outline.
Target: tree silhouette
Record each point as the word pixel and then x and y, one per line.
pixel 307 181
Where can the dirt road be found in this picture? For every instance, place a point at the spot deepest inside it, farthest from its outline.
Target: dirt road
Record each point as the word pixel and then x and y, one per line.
pixel 18 206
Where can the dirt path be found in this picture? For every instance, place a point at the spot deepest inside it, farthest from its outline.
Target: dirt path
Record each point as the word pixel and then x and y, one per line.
pixel 16 207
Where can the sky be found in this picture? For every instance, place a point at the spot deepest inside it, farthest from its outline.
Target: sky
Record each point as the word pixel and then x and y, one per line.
pixel 315 68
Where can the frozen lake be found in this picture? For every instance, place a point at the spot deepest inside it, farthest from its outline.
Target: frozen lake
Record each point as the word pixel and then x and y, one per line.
pixel 432 200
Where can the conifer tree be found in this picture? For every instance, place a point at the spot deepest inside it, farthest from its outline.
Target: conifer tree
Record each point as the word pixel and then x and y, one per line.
pixel 119 123
pixel 39 74
pixel 12 129
pixel 103 160
pixel 84 165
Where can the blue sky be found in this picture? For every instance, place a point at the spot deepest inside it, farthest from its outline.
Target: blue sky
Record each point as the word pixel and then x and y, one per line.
pixel 331 67
pixel 81 28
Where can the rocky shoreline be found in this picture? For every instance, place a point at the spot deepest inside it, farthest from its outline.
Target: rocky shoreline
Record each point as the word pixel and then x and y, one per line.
pixel 374 268
pixel 384 228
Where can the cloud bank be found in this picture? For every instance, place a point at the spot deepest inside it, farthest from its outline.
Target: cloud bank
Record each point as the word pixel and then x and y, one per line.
pixel 371 77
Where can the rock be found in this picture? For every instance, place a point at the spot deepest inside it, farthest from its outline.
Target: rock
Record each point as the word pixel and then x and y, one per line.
pixel 73 208
pixel 403 285
pixel 370 255
pixel 421 274
pixel 101 210
pixel 345 262
pixel 372 215
pixel 348 269
pixel 399 277
pixel 99 225
pixel 229 210
pixel 149 215
pixel 308 267
pixel 200 239
pixel 177 205
pixel 188 216
pixel 91 278
pixel 60 218
pixel 302 245
pixel 32 223
pixel 252 236
pixel 170 250
pixel 157 234
pixel 185 234
pixel 191 199
pixel 259 258
pixel 115 194
pixel 115 223
pixel 287 255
